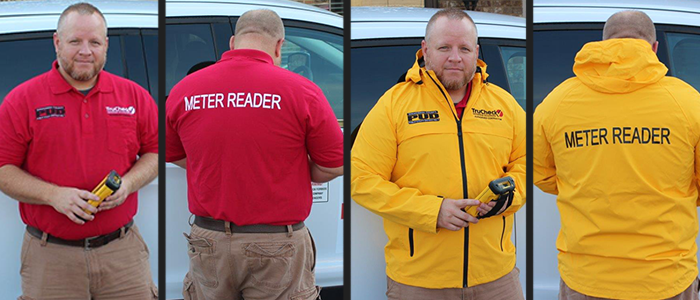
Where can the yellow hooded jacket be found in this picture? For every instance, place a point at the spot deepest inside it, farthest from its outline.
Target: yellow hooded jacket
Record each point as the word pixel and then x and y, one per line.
pixel 412 151
pixel 620 145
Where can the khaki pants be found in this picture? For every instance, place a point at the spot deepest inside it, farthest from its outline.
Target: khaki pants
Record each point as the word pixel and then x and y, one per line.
pixel 566 293
pixel 505 288
pixel 250 266
pixel 118 270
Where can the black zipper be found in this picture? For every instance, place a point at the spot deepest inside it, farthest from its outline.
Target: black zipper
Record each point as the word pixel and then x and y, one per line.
pixel 410 240
pixel 464 181
pixel 503 232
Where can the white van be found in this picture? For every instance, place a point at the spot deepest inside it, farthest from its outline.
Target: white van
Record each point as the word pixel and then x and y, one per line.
pixel 561 28
pixel 198 32
pixel 26 48
pixel 384 45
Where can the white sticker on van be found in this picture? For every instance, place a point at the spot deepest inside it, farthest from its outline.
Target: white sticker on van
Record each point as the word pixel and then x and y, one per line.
pixel 319 192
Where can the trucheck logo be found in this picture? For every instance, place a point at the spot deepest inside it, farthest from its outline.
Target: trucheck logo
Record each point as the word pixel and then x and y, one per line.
pixel 50 111
pixel 116 110
pixel 495 114
pixel 423 116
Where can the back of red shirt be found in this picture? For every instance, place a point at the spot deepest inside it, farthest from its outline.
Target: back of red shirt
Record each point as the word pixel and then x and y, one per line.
pixel 246 128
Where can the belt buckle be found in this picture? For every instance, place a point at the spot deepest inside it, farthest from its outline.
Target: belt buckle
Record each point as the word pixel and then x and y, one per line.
pixel 87 242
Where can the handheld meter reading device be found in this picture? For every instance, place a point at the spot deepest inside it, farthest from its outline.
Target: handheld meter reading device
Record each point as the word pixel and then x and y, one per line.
pixel 107 187
pixel 501 187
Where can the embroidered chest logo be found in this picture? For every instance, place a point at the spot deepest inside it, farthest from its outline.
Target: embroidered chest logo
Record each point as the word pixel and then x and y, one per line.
pixel 495 114
pixel 50 112
pixel 116 110
pixel 423 116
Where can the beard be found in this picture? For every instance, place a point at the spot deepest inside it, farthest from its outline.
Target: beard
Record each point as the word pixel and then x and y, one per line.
pixel 453 83
pixel 68 65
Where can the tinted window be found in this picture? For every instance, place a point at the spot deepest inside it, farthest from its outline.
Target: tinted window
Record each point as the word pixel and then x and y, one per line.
pixel 135 62
pixel 222 34
pixel 683 50
pixel 374 71
pixel 317 56
pixel 150 44
pixel 553 54
pixel 33 57
pixel 115 60
pixel 186 45
pixel 29 58
pixel 514 62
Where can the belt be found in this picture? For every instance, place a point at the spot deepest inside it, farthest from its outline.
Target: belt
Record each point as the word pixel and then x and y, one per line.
pixel 87 243
pixel 219 225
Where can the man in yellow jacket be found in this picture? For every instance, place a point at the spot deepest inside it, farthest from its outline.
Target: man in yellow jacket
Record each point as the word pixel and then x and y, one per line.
pixel 429 146
pixel 620 146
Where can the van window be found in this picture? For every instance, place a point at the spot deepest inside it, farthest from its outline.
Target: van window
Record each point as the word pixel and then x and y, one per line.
pixel 185 46
pixel 29 58
pixel 514 62
pixel 683 50
pixel 317 56
pixel 553 53
pixel 150 46
pixel 135 62
pixel 375 70
pixel 32 57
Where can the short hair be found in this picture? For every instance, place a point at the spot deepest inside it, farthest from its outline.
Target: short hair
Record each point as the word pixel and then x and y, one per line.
pixel 82 8
pixel 451 13
pixel 630 24
pixel 260 21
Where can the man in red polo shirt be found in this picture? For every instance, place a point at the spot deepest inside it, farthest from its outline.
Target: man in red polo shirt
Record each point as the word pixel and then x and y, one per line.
pixel 252 137
pixel 60 134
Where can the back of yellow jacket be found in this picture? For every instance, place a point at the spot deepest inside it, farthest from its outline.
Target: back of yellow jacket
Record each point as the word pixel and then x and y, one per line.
pixel 412 151
pixel 620 145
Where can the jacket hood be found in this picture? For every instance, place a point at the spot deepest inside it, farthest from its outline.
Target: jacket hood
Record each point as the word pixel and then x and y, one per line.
pixel 618 65
pixel 415 73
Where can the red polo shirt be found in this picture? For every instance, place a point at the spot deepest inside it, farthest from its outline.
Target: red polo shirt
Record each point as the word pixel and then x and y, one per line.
pixel 54 132
pixel 246 127
pixel 463 103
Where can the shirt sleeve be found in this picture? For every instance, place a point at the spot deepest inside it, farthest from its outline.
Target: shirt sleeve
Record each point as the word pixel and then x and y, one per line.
pixel 517 165
pixel 14 131
pixel 324 139
pixel 148 123
pixel 174 150
pixel 372 161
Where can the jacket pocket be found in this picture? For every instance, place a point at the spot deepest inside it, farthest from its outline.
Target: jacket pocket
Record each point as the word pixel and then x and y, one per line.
pixel 503 231
pixel 410 241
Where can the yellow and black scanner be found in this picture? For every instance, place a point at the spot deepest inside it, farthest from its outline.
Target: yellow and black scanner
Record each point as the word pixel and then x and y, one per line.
pixel 499 190
pixel 107 187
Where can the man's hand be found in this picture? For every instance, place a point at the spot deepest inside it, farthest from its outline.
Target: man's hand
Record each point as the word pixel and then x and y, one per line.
pixel 144 171
pixel 451 216
pixel 71 202
pixel 117 198
pixel 485 208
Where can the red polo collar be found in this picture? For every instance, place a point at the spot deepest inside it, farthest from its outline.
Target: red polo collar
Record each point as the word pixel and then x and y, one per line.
pixel 59 84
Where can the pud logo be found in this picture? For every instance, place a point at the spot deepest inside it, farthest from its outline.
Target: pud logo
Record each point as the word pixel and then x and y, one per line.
pixel 50 112
pixel 495 114
pixel 423 116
